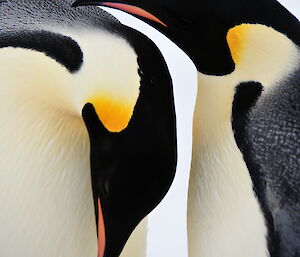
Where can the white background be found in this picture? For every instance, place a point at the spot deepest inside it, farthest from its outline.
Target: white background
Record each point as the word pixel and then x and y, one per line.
pixel 167 224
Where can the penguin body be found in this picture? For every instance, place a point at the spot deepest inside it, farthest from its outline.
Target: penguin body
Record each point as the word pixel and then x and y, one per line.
pixel 243 195
pixel 224 214
pixel 54 60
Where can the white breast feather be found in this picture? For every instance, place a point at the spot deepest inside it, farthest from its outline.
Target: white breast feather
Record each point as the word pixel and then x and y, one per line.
pixel 46 199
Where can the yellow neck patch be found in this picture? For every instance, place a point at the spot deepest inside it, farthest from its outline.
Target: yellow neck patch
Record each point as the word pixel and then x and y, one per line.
pixel 236 38
pixel 115 114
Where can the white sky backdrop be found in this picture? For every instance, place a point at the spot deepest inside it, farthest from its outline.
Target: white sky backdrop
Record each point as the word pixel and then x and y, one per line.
pixel 167 224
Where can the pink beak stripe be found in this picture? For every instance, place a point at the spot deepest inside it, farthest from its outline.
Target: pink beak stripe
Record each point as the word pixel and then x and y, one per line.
pixel 101 231
pixel 133 10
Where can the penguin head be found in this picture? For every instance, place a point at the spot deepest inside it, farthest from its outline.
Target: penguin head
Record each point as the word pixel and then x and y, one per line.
pixel 86 66
pixel 200 28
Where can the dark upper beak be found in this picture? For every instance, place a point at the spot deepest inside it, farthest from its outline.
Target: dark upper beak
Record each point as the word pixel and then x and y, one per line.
pixel 99 3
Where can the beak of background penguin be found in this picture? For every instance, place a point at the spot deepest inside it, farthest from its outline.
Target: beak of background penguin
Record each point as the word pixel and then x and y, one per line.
pixel 121 5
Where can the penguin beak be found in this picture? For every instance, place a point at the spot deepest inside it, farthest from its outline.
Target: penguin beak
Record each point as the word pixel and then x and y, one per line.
pixel 121 6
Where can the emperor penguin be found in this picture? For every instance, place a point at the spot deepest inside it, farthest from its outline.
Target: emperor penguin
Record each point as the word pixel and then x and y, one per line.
pixel 244 197
pixel 87 127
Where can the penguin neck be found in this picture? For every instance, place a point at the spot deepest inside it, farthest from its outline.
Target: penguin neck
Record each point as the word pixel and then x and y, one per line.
pixel 224 214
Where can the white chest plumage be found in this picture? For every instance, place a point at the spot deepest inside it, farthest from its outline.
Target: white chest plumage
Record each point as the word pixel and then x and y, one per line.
pixel 224 216
pixel 45 177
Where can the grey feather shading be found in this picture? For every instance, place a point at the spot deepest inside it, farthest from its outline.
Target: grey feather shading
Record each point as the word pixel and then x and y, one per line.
pixel 267 130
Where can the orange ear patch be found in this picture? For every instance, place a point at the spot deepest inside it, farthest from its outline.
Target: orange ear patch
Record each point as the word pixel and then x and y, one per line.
pixel 113 113
pixel 236 38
